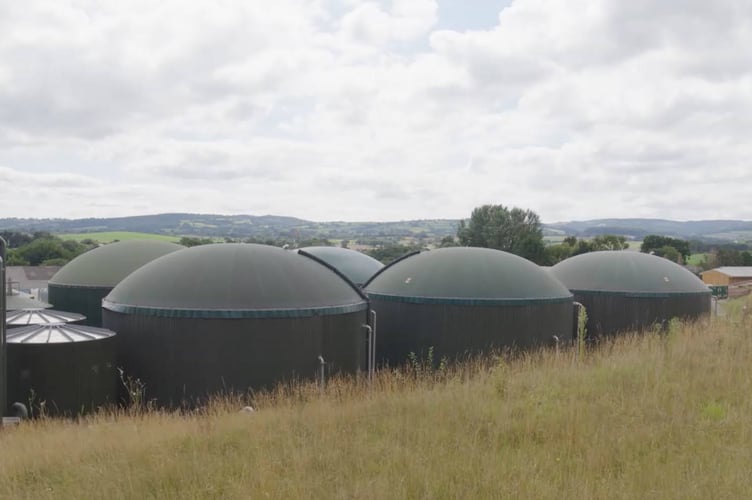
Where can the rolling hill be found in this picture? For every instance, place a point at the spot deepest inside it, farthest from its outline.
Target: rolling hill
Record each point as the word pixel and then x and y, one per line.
pixel 274 226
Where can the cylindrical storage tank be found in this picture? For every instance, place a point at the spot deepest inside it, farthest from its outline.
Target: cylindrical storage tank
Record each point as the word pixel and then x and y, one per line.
pixel 356 266
pixel 80 285
pixel 68 368
pixel 465 300
pixel 631 291
pixel 233 317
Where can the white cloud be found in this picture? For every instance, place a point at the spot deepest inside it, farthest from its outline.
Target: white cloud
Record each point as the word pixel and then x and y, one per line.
pixel 344 109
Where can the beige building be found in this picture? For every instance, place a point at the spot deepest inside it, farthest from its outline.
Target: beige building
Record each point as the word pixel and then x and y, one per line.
pixel 728 275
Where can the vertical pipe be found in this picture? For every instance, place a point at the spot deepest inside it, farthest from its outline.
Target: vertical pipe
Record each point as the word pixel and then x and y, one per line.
pixel 3 371
pixel 373 336
pixel 369 344
pixel 322 380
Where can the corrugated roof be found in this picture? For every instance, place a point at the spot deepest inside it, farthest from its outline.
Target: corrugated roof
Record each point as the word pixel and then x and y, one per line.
pixel 357 266
pixel 234 280
pixel 56 334
pixel 735 271
pixel 107 265
pixel 27 317
pixel 466 275
pixel 626 272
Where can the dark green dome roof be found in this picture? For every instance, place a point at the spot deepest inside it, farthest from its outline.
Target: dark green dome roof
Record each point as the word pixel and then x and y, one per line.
pixel 234 280
pixel 627 272
pixel 466 275
pixel 106 266
pixel 357 266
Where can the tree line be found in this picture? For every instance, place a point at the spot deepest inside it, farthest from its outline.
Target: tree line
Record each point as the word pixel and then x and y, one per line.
pixel 42 248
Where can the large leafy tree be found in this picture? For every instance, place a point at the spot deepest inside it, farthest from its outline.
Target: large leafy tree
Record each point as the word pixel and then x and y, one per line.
pixel 657 244
pixel 513 230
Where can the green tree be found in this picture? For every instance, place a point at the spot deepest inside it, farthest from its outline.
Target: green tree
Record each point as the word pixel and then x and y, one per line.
pixel 495 226
pixel 447 241
pixel 728 257
pixel 654 243
pixel 670 253
pixel 388 253
pixel 192 241
pixel 609 242
pixel 746 258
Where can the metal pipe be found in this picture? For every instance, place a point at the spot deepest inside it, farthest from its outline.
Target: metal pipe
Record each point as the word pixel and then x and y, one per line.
pixel 322 364
pixel 3 357
pixel 373 336
pixel 369 343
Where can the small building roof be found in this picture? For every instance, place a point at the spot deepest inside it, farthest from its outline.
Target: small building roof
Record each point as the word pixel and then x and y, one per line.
pixel 29 277
pixel 20 300
pixel 734 271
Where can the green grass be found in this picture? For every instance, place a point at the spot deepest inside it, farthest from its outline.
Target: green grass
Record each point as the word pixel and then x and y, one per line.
pixel 110 236
pixel 696 259
pixel 651 416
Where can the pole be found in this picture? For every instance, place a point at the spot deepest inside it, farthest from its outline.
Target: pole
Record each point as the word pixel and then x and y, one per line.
pixel 3 371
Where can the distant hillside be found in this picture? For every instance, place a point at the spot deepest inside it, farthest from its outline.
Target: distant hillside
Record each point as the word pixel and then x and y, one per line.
pixel 273 226
pixel 240 226
pixel 638 228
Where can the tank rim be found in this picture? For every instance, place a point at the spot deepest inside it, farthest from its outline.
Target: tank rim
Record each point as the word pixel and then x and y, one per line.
pixel 470 301
pixel 168 312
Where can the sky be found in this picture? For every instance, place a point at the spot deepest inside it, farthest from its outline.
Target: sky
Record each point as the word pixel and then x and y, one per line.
pixel 376 110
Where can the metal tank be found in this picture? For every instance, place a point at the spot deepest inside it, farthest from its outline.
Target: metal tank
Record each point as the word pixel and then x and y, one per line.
pixel 3 383
pixel 631 291
pixel 356 266
pixel 234 317
pixel 80 285
pixel 66 369
pixel 465 300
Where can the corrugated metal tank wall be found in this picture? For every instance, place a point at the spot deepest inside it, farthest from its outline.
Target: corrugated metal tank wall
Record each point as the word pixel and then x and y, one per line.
pixel 71 378
pixel 185 359
pixel 459 330
pixel 82 300
pixel 465 301
pixel 610 313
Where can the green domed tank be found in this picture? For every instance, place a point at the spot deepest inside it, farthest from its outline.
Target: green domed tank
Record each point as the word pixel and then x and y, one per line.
pixel 465 300
pixel 234 317
pixel 631 291
pixel 80 285
pixel 356 266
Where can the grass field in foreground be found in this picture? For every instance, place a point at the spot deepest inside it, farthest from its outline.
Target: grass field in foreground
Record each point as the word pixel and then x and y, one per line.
pixel 651 416
pixel 110 236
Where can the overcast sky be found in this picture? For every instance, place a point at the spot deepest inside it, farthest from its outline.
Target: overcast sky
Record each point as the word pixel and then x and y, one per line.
pixel 376 110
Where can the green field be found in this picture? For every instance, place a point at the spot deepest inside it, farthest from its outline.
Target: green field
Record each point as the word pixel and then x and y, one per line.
pixel 648 416
pixel 696 259
pixel 109 237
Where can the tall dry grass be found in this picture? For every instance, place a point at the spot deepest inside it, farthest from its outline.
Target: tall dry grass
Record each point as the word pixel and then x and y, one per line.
pixel 652 416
